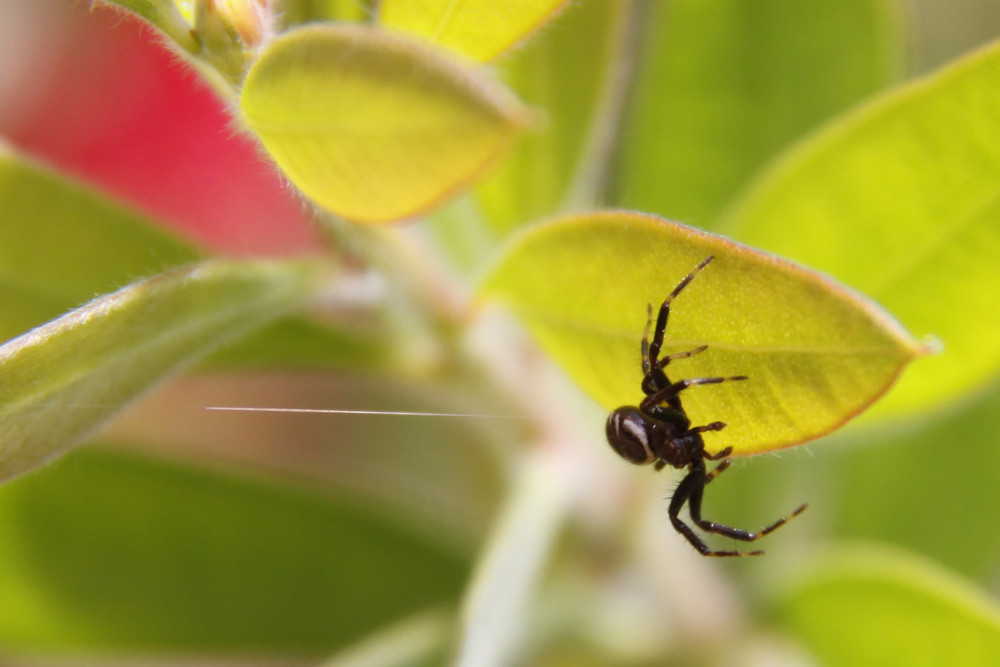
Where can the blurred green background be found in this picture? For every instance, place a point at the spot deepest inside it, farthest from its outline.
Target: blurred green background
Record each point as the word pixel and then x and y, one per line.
pixel 285 539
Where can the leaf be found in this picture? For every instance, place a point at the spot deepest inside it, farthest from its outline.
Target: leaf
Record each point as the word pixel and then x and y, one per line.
pixel 817 354
pixel 372 126
pixel 111 551
pixel 63 243
pixel 901 200
pixel 64 379
pixel 720 91
pixel 479 29
pixel 868 606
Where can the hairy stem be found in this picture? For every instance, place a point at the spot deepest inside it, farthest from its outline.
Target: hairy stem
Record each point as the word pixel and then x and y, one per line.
pixel 594 180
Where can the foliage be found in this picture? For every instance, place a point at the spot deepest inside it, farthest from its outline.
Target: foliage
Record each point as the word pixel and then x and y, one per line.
pixel 492 539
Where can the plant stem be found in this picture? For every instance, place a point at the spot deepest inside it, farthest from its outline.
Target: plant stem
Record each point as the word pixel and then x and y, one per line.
pixel 495 607
pixel 594 179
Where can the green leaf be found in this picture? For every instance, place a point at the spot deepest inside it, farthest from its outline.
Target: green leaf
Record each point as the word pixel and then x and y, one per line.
pixel 901 200
pixel 106 551
pixel 561 73
pixel 372 126
pixel 817 354
pixel 479 29
pixel 63 243
pixel 64 379
pixel 725 84
pixel 866 606
pixel 944 521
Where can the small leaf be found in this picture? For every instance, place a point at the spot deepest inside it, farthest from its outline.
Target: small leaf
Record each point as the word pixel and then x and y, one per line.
pixel 373 126
pixel 62 380
pixel 901 200
pixel 479 29
pixel 817 354
pixel 868 606
pixel 721 91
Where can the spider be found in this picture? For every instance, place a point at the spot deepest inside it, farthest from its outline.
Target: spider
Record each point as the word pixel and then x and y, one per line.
pixel 658 431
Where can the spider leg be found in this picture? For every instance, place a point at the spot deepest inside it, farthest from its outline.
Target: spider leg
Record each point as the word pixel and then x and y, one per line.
pixel 655 379
pixel 661 319
pixel 681 355
pixel 694 506
pixel 692 486
pixel 728 531
pixel 715 426
pixel 647 365
pixel 717 470
pixel 675 388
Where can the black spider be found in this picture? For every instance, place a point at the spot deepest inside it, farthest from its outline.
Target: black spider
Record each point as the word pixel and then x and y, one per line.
pixel 658 431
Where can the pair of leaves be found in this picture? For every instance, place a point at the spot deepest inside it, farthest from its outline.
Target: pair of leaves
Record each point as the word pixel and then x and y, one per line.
pixel 62 245
pixel 900 201
pixel 377 126
pixel 816 353
pixel 271 569
pixel 897 200
pixel 372 123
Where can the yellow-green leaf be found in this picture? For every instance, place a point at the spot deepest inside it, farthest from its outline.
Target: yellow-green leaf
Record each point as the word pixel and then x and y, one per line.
pixel 480 29
pixel 902 201
pixel 872 606
pixel 816 353
pixel 64 379
pixel 372 125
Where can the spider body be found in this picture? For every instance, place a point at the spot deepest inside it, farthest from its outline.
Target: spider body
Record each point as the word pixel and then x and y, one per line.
pixel 659 432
